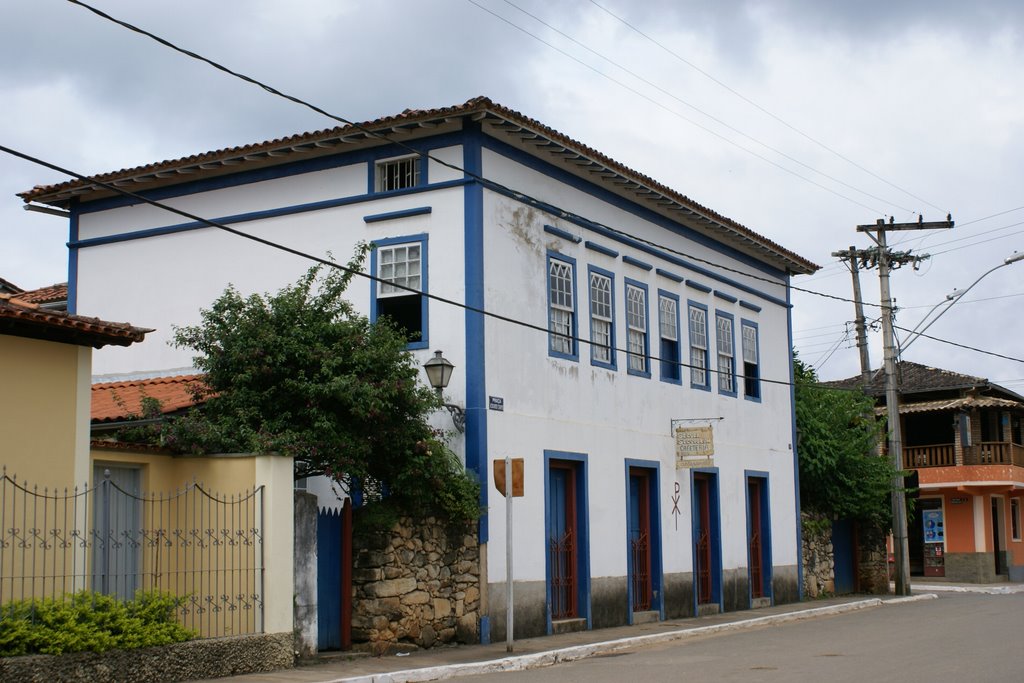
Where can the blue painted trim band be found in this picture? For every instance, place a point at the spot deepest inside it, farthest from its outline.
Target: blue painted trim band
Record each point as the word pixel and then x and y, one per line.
pixel 73 259
pixel 698 286
pixel 793 445
pixel 564 234
pixel 636 262
pixel 405 213
pixel 632 207
pixel 601 249
pixel 475 339
pixel 749 306
pixel 252 216
pixel 640 246
pixel 292 168
pixel 669 275
pixel 726 297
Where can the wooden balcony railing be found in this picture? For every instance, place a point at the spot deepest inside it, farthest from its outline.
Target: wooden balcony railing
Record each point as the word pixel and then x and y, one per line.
pixel 943 455
pixel 994 453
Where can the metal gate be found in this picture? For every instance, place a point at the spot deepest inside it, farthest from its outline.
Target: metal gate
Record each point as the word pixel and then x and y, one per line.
pixel 844 556
pixel 334 578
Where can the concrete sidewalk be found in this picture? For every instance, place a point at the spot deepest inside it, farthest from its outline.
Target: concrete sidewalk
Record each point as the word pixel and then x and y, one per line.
pixel 464 660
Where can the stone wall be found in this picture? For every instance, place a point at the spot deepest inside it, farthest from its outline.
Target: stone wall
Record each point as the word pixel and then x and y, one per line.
pixel 872 561
pixel 195 659
pixel 819 563
pixel 417 584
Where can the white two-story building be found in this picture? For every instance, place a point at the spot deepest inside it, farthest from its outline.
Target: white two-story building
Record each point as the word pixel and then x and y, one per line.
pixel 632 346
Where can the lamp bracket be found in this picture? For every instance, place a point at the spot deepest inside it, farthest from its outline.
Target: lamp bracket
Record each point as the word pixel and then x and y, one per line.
pixel 458 414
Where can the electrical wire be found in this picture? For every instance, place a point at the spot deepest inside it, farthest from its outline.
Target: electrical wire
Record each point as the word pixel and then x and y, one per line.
pixel 662 90
pixel 760 108
pixel 521 196
pixel 681 116
pixel 368 276
pixel 962 346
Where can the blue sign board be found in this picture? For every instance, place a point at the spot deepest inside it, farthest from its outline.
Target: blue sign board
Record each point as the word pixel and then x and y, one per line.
pixel 934 530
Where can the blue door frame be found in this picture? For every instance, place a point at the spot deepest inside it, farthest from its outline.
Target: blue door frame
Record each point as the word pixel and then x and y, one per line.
pixel 762 518
pixel 707 520
pixel 565 508
pixel 649 521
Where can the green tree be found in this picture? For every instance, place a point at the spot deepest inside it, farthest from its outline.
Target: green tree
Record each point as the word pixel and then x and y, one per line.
pixel 302 374
pixel 841 474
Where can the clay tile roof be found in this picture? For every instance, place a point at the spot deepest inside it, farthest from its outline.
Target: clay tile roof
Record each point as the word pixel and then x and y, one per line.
pixel 24 319
pixel 946 404
pixel 915 378
pixel 501 119
pixel 45 295
pixel 116 401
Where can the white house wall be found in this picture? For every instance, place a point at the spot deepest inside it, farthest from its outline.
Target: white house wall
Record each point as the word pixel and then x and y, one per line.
pixel 550 404
pixel 609 415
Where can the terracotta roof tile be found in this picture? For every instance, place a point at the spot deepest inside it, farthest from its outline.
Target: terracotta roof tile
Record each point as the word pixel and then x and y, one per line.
pixel 915 378
pixel 45 295
pixel 116 401
pixel 321 142
pixel 24 319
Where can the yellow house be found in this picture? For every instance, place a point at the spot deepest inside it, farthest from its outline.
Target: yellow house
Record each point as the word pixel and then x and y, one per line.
pixel 79 514
pixel 45 366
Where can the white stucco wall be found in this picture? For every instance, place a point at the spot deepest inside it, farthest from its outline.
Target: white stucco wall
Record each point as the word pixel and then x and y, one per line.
pixel 609 415
pixel 549 403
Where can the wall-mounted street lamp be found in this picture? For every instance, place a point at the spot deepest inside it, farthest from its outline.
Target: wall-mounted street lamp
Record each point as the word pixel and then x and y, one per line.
pixel 952 298
pixel 439 373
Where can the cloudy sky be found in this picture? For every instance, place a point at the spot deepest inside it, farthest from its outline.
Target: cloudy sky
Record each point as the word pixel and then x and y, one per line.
pixel 799 118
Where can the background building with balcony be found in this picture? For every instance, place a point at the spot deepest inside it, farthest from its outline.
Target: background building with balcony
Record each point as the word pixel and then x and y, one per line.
pixel 962 436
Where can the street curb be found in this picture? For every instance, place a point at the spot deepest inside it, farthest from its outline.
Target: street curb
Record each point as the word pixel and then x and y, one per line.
pixel 985 590
pixel 569 654
pixel 911 598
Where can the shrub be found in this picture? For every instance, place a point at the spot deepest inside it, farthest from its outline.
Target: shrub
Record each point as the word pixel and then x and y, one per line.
pixel 89 622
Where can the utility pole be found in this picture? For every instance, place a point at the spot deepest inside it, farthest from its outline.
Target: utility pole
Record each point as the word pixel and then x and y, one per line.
pixel 887 260
pixel 852 256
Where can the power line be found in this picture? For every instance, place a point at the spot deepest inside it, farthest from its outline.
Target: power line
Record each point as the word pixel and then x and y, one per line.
pixel 374 279
pixel 332 264
pixel 962 346
pixel 679 115
pixel 760 108
pixel 521 196
pixel 646 81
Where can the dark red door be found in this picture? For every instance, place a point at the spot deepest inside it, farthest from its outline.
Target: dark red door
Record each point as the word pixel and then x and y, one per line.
pixel 640 538
pixel 562 541
pixel 754 540
pixel 702 545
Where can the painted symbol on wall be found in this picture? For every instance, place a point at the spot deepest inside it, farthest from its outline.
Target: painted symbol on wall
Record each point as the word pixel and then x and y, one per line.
pixel 675 505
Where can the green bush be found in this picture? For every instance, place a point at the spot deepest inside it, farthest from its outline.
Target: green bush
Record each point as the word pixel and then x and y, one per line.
pixel 89 622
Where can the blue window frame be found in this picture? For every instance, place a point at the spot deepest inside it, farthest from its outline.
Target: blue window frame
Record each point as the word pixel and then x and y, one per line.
pixel 601 287
pixel 401 261
pixel 750 345
pixel 725 348
pixel 638 338
pixel 562 325
pixel 670 338
pixel 697 316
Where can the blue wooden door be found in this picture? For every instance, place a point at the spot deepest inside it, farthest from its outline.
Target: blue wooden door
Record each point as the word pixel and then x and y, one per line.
pixel 329 579
pixel 844 557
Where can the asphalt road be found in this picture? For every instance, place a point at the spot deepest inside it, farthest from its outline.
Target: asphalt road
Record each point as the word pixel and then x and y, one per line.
pixel 966 638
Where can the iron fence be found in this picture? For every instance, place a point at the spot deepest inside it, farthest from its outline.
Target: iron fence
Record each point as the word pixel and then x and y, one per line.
pixel 112 539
